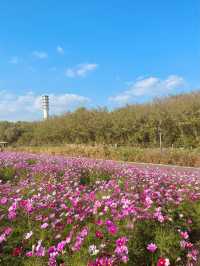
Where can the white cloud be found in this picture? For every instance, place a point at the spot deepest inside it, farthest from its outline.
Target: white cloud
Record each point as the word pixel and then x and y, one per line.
pixel 80 70
pixel 14 60
pixel 40 54
pixel 64 102
pixel 149 87
pixel 70 73
pixel 60 49
pixel 28 106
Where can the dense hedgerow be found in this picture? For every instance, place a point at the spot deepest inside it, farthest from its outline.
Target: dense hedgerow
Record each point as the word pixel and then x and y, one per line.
pixel 176 117
pixel 58 211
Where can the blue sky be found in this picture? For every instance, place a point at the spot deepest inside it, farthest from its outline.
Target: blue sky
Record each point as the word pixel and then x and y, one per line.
pixel 95 53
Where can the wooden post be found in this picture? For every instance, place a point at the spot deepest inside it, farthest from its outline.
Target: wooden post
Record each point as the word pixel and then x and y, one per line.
pixel 160 136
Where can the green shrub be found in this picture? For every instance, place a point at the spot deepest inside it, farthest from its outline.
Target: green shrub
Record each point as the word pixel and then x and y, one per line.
pixel 31 161
pixel 7 174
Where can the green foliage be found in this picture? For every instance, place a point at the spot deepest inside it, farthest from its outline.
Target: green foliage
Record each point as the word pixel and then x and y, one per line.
pixel 14 242
pixel 31 161
pixel 89 177
pixel 140 237
pixel 34 262
pixel 178 118
pixel 165 236
pixel 85 180
pixel 7 174
pixel 168 242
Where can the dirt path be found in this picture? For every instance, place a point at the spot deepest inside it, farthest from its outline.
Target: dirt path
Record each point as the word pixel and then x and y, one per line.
pixel 172 167
pixel 177 168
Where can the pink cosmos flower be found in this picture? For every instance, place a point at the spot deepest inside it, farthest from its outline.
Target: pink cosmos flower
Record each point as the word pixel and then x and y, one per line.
pixel 12 215
pixel 3 201
pixel 151 247
pixel 29 254
pixel 158 215
pixel 69 220
pixel 99 222
pixel 8 231
pixel 184 235
pixel 69 237
pixel 121 241
pixel 111 227
pixel 121 249
pixel 51 250
pixel 29 206
pixel 189 245
pixel 148 202
pixel 44 226
pixel 2 237
pixel 17 251
pixel 40 250
pixel 124 259
pixel 163 262
pixel 167 262
pixel 79 239
pixel 61 246
pixel 13 207
pixel 99 234
pixel 84 232
pixel 183 244
pixel 192 255
pixel 101 262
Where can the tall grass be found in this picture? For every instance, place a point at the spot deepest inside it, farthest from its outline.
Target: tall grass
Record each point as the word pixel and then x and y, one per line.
pixel 181 157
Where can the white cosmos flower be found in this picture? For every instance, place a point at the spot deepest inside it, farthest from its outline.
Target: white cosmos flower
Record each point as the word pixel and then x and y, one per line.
pixel 28 235
pixel 93 251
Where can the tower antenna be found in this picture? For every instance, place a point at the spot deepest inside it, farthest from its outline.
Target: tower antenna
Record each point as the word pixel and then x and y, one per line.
pixel 45 106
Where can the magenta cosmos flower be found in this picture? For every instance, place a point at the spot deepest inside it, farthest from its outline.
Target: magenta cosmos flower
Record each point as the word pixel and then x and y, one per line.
pixel 163 262
pixel 151 247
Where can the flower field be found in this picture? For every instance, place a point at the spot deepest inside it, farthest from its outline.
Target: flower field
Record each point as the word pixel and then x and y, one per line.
pixel 83 212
